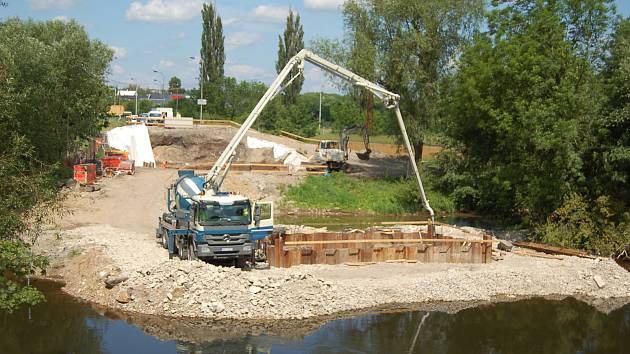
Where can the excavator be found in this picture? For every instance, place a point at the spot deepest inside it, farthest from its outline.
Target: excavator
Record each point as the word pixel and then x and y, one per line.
pixel 335 154
pixel 204 222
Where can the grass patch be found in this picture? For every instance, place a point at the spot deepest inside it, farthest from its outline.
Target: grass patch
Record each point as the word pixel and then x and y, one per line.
pixel 378 196
pixel 74 252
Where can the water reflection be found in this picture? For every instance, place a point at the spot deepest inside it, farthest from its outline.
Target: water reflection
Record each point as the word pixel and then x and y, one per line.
pixel 531 326
pixel 63 325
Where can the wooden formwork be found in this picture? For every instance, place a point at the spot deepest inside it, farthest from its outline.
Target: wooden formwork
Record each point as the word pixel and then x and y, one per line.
pixel 374 246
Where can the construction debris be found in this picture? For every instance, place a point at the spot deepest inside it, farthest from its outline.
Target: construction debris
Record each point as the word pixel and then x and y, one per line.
pixel 505 245
pixel 599 281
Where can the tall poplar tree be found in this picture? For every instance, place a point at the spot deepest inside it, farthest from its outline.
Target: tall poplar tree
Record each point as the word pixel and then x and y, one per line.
pixel 212 57
pixel 288 46
pixel 212 53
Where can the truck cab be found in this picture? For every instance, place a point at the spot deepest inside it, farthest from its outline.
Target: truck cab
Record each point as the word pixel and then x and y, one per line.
pixel 212 226
pixel 329 152
pixel 228 226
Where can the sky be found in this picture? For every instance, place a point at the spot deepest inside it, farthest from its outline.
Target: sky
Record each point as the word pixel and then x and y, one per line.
pixel 162 35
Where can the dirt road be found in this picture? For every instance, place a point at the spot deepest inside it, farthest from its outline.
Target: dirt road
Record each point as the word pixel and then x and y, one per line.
pixel 111 236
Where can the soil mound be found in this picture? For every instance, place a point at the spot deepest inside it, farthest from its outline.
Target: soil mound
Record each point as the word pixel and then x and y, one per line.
pixel 204 144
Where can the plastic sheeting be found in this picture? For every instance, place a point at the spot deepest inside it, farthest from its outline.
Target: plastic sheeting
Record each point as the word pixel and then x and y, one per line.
pixel 280 152
pixel 135 140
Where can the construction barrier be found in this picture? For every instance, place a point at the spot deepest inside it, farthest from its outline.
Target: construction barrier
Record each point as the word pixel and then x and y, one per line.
pixel 374 246
pixel 299 138
pixel 85 174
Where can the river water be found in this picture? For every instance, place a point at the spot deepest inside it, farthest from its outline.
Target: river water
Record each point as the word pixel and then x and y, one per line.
pixel 64 325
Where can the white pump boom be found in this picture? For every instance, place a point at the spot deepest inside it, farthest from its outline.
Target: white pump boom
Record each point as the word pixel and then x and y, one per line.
pixel 391 100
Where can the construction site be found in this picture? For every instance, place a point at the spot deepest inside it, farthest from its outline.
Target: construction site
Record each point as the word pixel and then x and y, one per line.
pixel 109 254
pixel 182 224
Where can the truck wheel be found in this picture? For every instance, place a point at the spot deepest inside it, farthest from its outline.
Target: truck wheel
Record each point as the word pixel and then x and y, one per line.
pixel 191 252
pixel 241 262
pixel 164 240
pixel 182 253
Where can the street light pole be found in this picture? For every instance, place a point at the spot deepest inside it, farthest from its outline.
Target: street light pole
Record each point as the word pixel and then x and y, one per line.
pixel 201 79
pixel 132 79
pixel 177 101
pixel 159 72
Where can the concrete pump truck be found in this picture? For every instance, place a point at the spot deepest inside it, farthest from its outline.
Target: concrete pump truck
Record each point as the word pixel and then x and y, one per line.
pixel 203 222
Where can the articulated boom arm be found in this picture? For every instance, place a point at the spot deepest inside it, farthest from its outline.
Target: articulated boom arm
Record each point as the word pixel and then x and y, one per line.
pixel 390 99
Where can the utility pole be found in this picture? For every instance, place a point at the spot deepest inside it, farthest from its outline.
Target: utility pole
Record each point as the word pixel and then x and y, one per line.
pixel 319 127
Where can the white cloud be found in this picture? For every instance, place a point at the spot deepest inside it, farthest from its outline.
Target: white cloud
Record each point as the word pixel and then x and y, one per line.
pixel 323 4
pixel 166 11
pixel 270 13
pixel 119 52
pixel 180 35
pixel 316 80
pixel 167 63
pixel 229 21
pixel 61 18
pixel 241 39
pixel 118 69
pixel 51 4
pixel 246 72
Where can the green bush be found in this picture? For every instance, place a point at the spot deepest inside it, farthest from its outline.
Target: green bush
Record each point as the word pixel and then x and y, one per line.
pixel 590 225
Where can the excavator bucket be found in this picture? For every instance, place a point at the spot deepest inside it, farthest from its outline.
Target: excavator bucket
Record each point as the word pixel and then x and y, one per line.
pixel 364 155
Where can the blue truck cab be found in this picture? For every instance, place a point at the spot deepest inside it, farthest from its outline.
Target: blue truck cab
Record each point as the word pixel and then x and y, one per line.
pixel 211 226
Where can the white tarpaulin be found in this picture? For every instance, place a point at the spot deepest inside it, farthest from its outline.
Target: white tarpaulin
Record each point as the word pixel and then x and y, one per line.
pixel 280 152
pixel 133 139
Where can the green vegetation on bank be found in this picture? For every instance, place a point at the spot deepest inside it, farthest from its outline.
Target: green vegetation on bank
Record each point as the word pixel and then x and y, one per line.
pixel 52 92
pixel 379 196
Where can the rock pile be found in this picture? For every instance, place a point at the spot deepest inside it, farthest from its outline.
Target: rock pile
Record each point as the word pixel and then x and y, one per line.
pixel 198 289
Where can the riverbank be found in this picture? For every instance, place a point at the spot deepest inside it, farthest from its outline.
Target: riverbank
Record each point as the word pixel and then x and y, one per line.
pixel 155 285
pixel 106 254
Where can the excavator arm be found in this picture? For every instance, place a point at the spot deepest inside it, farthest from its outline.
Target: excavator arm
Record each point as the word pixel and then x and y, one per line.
pixel 214 179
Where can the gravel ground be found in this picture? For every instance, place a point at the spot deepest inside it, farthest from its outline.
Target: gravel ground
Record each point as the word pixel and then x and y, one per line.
pixel 153 284
pixel 110 238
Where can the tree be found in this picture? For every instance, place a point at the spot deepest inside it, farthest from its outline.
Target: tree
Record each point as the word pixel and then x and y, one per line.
pixel 517 111
pixel 213 58
pixel 289 45
pixel 408 47
pixel 212 51
pixel 609 158
pixel 174 84
pixel 58 74
pixel 52 94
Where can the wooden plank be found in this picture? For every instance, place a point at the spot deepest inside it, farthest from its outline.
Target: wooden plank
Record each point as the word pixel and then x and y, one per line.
pixel 553 249
pixel 537 255
pixel 383 240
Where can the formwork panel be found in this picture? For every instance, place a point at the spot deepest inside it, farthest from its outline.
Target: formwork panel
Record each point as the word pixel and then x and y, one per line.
pixel 374 246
